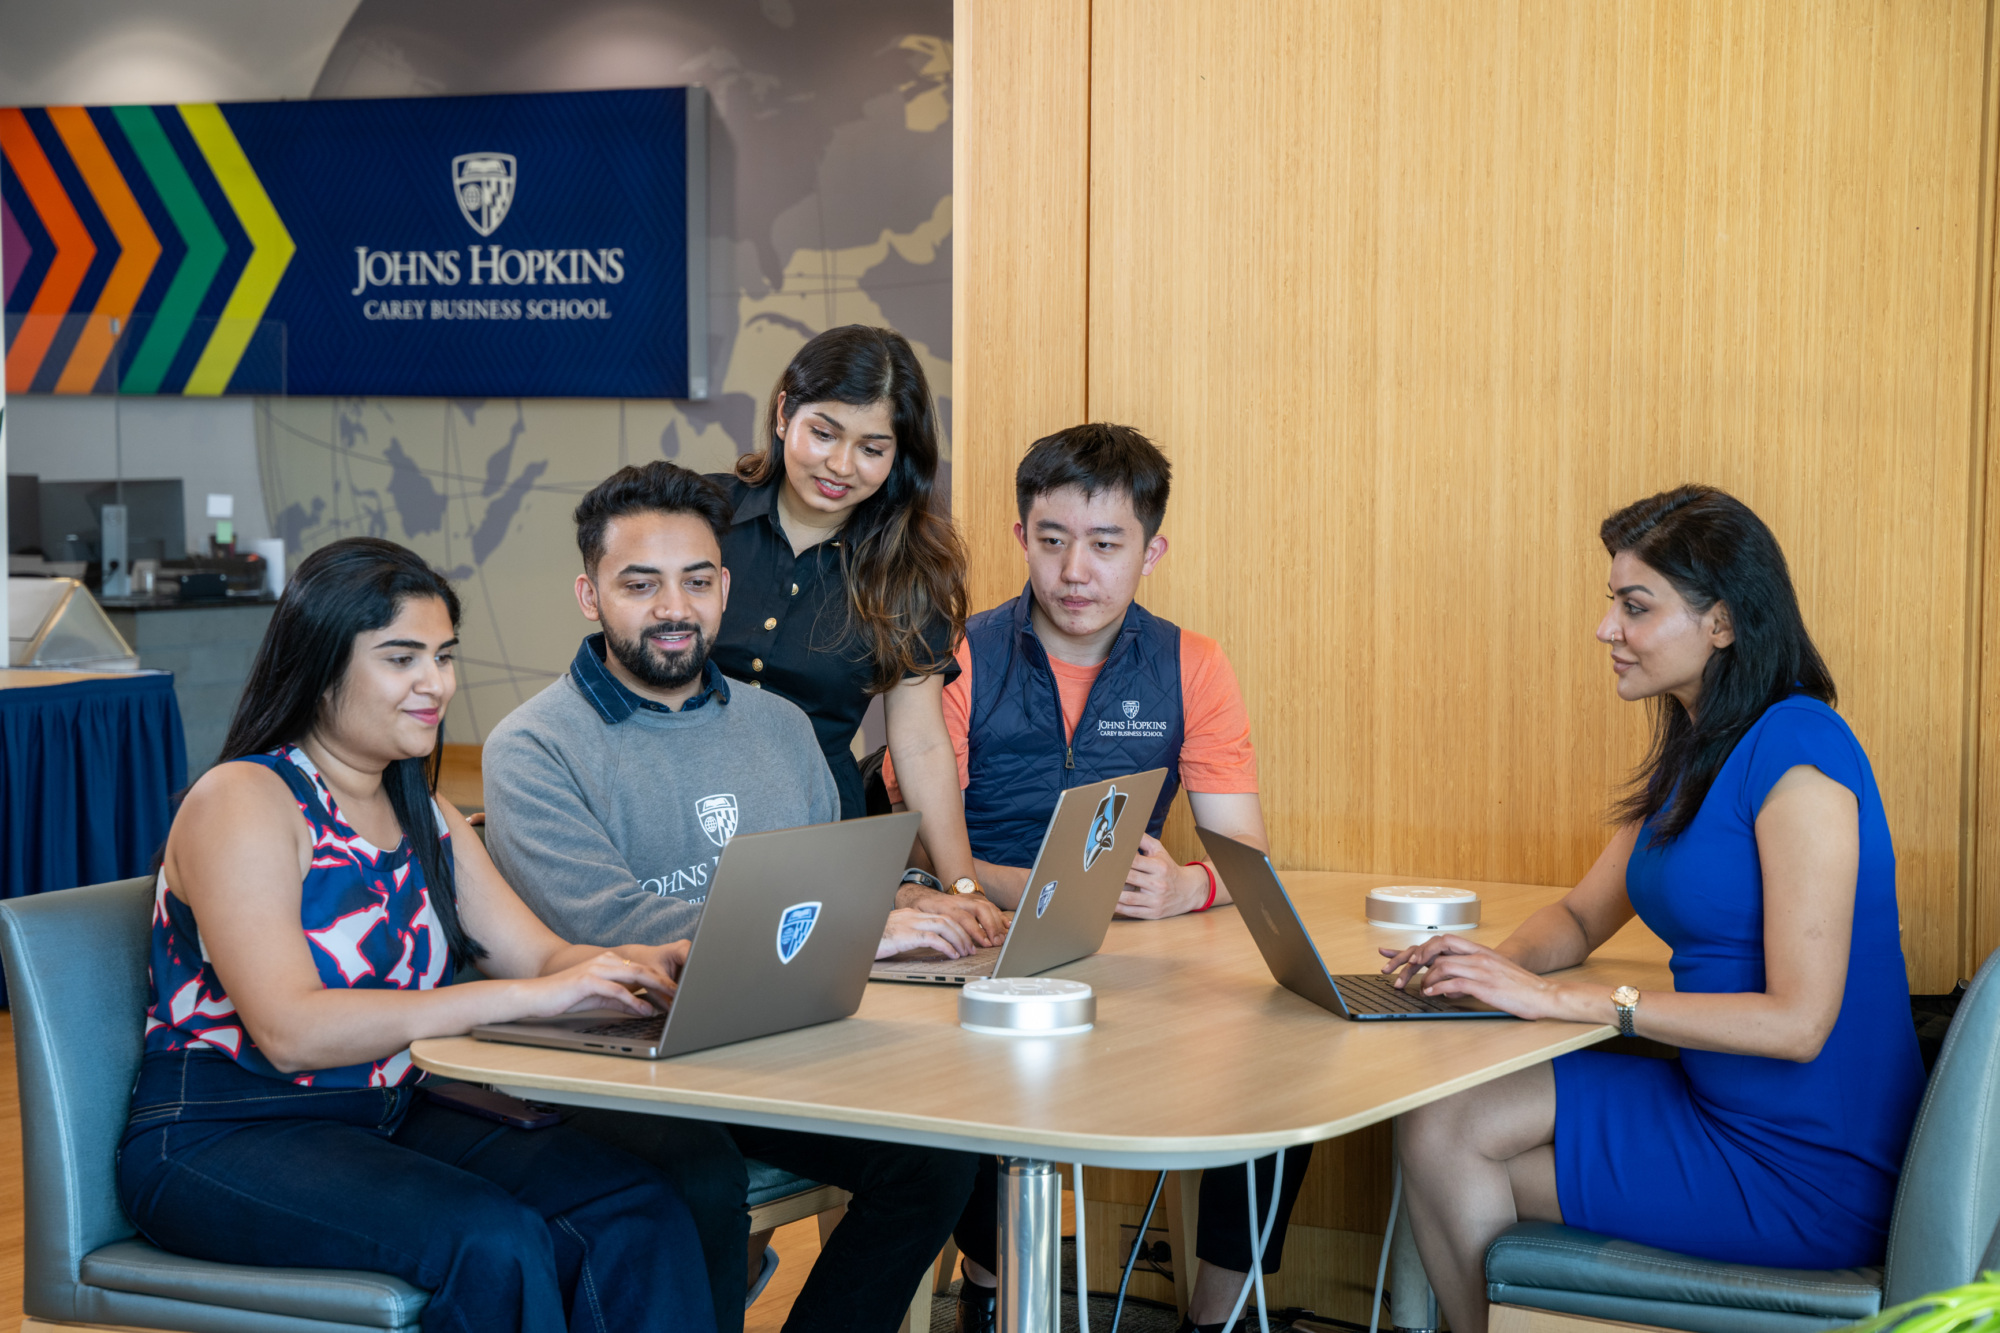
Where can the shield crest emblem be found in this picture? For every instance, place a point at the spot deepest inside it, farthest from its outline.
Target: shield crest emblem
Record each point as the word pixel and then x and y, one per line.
pixel 1104 826
pixel 717 815
pixel 1042 898
pixel 795 923
pixel 1131 709
pixel 483 184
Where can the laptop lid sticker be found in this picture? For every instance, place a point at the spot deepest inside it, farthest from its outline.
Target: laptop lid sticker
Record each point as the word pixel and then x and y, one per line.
pixel 1042 900
pixel 1103 827
pixel 794 925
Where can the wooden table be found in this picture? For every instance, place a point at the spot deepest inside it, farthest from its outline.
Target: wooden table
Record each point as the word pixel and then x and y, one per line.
pixel 1189 1022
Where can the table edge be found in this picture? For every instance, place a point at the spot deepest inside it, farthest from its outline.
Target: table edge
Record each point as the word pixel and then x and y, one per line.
pixel 930 1129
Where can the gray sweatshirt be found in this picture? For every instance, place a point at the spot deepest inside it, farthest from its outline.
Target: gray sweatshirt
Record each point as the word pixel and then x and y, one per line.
pixel 611 830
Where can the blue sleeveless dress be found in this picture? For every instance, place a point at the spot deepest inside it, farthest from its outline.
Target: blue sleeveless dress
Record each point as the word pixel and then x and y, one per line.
pixel 1742 1158
pixel 366 913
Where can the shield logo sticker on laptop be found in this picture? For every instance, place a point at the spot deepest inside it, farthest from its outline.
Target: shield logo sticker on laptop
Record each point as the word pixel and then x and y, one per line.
pixel 483 184
pixel 794 925
pixel 1042 899
pixel 1103 827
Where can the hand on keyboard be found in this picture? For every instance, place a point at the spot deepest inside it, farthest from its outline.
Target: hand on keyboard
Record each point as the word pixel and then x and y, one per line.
pixel 913 928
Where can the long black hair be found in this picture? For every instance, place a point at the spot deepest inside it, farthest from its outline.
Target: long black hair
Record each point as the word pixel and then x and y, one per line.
pixel 1712 548
pixel 338 592
pixel 902 557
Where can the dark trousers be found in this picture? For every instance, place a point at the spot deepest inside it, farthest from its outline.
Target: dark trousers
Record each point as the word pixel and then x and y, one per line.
pixel 905 1202
pixel 511 1231
pixel 1222 1236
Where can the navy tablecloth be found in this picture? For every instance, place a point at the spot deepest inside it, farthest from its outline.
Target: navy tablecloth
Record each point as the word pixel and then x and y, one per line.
pixel 88 771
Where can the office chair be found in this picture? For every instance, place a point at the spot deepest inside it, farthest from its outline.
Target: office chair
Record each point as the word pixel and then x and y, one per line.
pixel 1545 1278
pixel 77 963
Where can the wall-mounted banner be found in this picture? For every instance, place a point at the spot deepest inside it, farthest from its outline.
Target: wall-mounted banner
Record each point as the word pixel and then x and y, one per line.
pixel 532 245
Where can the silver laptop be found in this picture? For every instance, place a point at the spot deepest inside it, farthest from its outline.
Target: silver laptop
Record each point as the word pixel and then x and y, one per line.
pixel 1289 952
pixel 1072 891
pixel 792 921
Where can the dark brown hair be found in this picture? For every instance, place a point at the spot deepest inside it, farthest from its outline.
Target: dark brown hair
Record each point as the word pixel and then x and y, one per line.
pixel 1712 548
pixel 340 591
pixel 658 487
pixel 901 558
pixel 1098 457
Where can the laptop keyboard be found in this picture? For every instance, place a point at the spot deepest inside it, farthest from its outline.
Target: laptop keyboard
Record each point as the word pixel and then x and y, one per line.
pixel 1366 994
pixel 979 964
pixel 640 1028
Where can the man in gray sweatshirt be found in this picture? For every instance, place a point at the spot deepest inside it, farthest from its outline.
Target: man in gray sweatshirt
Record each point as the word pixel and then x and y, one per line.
pixel 610 796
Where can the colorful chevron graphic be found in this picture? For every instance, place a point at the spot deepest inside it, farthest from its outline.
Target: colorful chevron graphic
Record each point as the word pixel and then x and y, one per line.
pixel 140 249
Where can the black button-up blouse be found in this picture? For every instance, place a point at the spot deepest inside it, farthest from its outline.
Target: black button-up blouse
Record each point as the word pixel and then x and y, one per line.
pixel 787 628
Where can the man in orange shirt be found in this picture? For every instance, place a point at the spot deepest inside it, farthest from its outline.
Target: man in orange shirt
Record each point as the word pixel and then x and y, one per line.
pixel 1073 682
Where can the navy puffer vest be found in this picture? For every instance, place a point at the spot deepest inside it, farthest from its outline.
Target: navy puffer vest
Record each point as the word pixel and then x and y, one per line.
pixel 1018 762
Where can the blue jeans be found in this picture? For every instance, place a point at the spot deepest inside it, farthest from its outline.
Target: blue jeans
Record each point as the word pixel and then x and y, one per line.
pixel 511 1231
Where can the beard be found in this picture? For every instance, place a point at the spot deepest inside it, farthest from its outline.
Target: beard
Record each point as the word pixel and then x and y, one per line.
pixel 656 667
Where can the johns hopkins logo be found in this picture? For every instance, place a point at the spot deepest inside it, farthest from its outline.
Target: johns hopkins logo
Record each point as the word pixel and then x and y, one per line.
pixel 1131 709
pixel 794 925
pixel 1103 827
pixel 718 818
pixel 483 184
pixel 1042 899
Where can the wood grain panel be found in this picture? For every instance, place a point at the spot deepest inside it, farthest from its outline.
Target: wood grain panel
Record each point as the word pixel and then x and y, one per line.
pixel 1020 216
pixel 1415 294
pixel 1980 909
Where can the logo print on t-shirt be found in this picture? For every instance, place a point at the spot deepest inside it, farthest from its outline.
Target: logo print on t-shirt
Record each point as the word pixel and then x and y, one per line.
pixel 794 924
pixel 718 817
pixel 1103 827
pixel 1042 899
pixel 1131 709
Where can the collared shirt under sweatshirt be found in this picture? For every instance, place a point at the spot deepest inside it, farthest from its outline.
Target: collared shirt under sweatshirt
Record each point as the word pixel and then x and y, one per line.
pixel 608 813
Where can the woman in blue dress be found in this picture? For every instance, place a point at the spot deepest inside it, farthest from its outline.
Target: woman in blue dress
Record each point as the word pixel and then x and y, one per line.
pixel 1753 842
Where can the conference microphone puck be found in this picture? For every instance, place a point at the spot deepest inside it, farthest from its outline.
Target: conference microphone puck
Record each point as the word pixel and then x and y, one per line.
pixel 1026 1007
pixel 1423 907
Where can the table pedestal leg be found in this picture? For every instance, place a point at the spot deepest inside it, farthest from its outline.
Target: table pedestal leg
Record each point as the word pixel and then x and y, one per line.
pixel 1030 1294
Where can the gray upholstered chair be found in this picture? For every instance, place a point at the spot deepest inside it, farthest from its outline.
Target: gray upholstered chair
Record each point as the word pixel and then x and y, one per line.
pixel 76 968
pixel 1943 1233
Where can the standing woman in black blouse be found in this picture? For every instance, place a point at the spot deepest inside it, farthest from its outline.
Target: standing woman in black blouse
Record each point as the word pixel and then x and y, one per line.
pixel 845 582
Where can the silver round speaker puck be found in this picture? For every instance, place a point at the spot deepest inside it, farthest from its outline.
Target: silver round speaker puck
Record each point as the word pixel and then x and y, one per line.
pixel 1026 1007
pixel 1423 907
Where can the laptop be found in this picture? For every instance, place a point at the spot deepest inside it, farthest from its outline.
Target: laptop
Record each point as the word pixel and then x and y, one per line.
pixel 1073 889
pixel 792 921
pixel 1288 950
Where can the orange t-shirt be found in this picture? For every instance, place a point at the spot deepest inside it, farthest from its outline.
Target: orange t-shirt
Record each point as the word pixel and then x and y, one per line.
pixel 1216 755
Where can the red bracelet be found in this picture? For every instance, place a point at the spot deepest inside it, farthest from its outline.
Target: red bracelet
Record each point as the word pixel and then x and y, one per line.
pixel 1211 885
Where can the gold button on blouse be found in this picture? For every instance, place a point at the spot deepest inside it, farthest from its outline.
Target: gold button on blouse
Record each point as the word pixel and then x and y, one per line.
pixel 756 664
pixel 756 684
pixel 795 590
pixel 771 623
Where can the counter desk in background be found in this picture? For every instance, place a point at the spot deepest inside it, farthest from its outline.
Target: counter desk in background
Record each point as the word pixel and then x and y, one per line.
pixel 208 645
pixel 89 762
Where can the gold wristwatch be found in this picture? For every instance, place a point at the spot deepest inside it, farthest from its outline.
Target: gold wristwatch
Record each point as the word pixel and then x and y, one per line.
pixel 1626 998
pixel 965 884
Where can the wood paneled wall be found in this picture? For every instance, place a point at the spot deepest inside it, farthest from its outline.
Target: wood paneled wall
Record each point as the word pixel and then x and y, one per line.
pixel 1414 294
pixel 1021 209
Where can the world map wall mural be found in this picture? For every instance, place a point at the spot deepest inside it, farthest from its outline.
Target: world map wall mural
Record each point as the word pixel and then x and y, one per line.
pixel 830 182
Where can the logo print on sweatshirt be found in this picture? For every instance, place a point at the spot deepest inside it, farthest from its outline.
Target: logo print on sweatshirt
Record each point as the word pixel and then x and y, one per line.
pixel 795 923
pixel 1042 899
pixel 1131 707
pixel 718 817
pixel 1103 827
pixel 483 184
